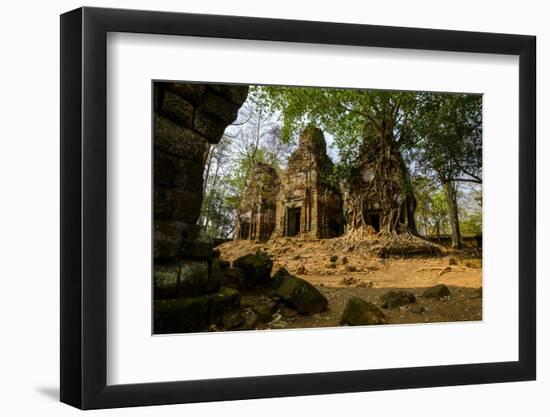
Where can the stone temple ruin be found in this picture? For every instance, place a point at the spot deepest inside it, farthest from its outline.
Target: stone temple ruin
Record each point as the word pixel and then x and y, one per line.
pixel 375 196
pixel 257 210
pixel 196 290
pixel 306 204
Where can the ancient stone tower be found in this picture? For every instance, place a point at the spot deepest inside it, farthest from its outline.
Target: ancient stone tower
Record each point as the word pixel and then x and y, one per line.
pixel 307 204
pixel 257 210
pixel 377 195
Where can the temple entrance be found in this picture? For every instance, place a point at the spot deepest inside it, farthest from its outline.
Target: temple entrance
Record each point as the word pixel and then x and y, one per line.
pixel 374 220
pixel 245 230
pixel 293 221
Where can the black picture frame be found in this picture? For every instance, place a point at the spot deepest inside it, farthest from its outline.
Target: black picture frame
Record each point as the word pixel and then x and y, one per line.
pixel 84 207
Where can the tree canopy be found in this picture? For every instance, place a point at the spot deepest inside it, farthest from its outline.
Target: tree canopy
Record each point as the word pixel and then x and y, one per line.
pixel 428 143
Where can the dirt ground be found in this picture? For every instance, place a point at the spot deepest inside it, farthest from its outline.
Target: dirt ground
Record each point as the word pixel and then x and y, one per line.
pixel 357 273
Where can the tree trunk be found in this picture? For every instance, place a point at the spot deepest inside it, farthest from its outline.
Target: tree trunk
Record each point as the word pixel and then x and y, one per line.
pixel 408 222
pixel 452 207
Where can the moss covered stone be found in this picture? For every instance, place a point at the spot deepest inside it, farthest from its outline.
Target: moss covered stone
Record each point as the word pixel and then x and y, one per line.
pixel 256 268
pixel 395 299
pixel 196 243
pixel 195 278
pixel 265 311
pixel 223 301
pixel 437 291
pixel 279 277
pixel 250 320
pixel 191 314
pixel 215 270
pixel 232 319
pixel 166 282
pixel 182 315
pixel 184 279
pixel 167 239
pixel 299 294
pixel 359 312
pixel 233 278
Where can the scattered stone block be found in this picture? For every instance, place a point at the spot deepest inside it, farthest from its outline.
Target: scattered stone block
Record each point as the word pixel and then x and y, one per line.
pixel 256 268
pixel 232 319
pixel 418 309
pixel 182 315
pixel 264 311
pixel 233 278
pixel 288 313
pixel 250 320
pixel 395 299
pixel 359 312
pixel 182 279
pixel 299 294
pixel 225 300
pixel 437 291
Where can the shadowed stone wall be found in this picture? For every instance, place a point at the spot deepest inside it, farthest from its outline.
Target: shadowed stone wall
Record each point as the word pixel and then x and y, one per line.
pixel 187 119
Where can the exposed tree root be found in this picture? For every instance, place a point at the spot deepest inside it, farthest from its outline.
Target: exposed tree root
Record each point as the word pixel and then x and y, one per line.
pixel 385 244
pixel 444 269
pixel 359 234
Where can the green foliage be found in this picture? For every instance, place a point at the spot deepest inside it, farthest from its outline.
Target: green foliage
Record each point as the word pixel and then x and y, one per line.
pixel 432 215
pixel 253 139
pixel 470 209
pixel 438 136
pixel 346 114
pixel 472 225
pixel 220 213
pixel 451 138
pixel 431 210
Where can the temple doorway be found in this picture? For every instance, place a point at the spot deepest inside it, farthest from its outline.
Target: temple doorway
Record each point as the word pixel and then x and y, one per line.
pixel 293 223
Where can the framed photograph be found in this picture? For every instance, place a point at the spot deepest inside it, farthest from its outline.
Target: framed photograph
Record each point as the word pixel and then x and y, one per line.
pixel 257 208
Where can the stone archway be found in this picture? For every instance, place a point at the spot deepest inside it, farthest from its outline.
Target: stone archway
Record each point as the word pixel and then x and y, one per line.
pixel 187 118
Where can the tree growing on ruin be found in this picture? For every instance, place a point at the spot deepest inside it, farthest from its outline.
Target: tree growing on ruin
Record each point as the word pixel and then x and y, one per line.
pixel 371 129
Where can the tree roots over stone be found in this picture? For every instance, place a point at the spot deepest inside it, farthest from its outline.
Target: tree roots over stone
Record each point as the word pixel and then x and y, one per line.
pixel 384 245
